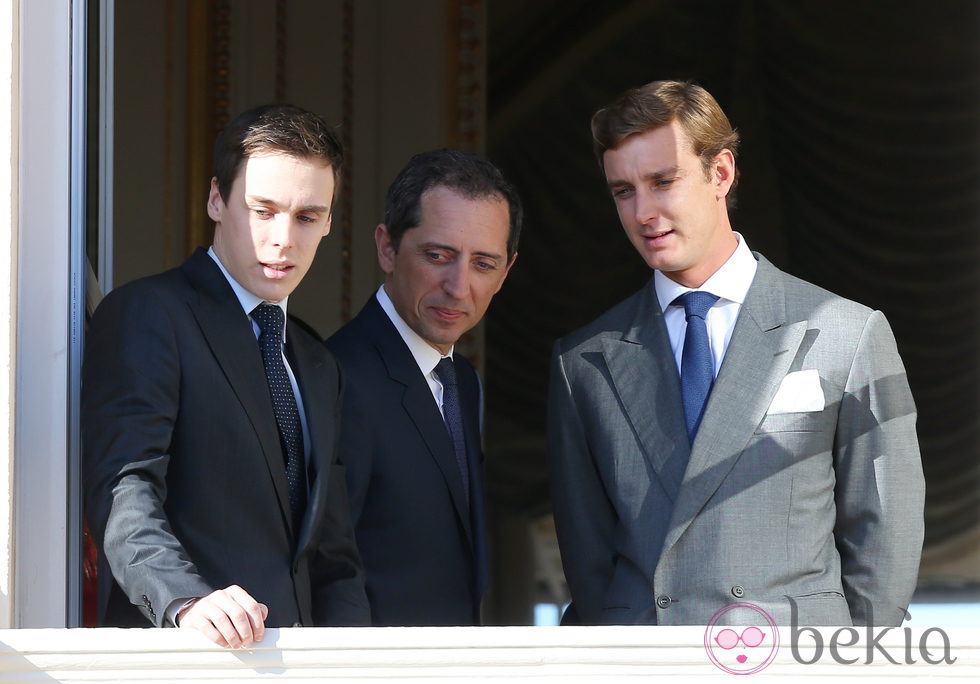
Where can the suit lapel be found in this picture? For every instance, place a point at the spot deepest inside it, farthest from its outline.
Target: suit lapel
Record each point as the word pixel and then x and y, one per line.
pixel 319 392
pixel 419 404
pixel 646 379
pixel 762 347
pixel 231 339
pixel 470 393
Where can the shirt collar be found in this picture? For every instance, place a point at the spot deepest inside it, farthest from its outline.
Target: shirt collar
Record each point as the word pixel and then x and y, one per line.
pixel 731 281
pixel 247 300
pixel 426 356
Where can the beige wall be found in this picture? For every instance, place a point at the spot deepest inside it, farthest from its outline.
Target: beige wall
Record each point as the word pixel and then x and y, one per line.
pixel 400 106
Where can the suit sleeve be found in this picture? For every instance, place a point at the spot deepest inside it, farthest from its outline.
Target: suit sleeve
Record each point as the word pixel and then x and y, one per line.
pixel 880 489
pixel 130 400
pixel 584 517
pixel 338 585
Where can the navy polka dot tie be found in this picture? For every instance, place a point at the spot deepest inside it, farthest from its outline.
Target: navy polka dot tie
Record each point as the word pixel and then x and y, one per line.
pixel 697 366
pixel 270 320
pixel 453 416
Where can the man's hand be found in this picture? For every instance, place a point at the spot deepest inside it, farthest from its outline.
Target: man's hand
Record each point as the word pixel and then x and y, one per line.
pixel 228 617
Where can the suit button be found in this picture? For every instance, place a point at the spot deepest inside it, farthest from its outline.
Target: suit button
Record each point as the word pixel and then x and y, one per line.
pixel 738 591
pixel 297 624
pixel 663 601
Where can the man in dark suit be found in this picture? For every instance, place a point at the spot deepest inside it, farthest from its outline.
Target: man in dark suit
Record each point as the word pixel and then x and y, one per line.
pixel 729 433
pixel 209 427
pixel 411 429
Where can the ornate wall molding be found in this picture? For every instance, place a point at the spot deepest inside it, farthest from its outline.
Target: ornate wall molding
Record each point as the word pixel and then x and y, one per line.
pixel 221 65
pixel 281 42
pixel 208 88
pixel 467 74
pixel 346 204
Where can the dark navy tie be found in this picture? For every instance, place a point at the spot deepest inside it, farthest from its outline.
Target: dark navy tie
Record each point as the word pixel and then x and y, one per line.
pixel 697 366
pixel 270 320
pixel 453 416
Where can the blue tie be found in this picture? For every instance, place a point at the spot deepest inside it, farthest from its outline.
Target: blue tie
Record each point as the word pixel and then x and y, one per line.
pixel 697 367
pixel 270 320
pixel 453 416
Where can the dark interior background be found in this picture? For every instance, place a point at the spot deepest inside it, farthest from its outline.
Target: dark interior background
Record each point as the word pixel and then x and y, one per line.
pixel 860 125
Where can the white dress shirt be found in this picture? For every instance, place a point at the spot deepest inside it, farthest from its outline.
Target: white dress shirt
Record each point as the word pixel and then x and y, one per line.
pixel 249 301
pixel 426 356
pixel 730 283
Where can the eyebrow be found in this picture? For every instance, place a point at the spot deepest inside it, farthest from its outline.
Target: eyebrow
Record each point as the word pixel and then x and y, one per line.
pixel 652 176
pixel 265 200
pixel 436 245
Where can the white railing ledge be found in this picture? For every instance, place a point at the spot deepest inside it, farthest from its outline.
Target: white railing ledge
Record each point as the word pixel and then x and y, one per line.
pixel 472 654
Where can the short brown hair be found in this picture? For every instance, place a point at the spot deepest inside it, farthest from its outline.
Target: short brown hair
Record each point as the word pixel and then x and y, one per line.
pixel 275 128
pixel 659 103
pixel 465 173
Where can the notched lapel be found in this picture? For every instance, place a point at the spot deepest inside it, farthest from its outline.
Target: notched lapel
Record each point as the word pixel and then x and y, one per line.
pixel 645 376
pixel 470 395
pixel 762 347
pixel 318 390
pixel 421 408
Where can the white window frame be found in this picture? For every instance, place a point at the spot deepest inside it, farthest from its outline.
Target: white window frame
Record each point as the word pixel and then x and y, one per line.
pixel 48 326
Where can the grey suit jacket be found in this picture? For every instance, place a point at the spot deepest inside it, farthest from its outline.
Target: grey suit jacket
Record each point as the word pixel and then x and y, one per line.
pixel 823 507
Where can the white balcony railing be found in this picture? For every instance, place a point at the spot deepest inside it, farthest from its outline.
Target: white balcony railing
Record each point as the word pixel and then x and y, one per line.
pixel 472 654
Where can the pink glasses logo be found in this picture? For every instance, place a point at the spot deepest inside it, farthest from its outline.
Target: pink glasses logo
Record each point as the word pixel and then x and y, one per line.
pixel 750 636
pixel 743 652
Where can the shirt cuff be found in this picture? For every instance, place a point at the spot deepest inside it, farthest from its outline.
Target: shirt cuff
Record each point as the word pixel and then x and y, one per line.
pixel 175 607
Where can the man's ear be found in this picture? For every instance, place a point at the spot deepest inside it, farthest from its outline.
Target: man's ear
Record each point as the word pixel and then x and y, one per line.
pixel 723 172
pixel 216 205
pixel 386 248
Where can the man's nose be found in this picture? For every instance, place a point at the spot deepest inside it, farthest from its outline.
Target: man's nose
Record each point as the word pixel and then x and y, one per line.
pixel 646 207
pixel 281 230
pixel 456 282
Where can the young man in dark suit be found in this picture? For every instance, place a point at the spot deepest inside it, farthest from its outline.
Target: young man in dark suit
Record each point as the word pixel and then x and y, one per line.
pixel 411 429
pixel 209 421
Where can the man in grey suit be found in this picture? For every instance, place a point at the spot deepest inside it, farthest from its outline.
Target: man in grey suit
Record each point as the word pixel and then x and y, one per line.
pixel 753 442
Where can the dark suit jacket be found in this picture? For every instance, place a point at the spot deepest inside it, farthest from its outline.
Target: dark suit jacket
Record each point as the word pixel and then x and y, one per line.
pixel 422 548
pixel 815 498
pixel 184 473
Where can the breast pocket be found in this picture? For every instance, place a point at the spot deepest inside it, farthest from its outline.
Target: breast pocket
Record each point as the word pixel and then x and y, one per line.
pixel 786 439
pixel 810 421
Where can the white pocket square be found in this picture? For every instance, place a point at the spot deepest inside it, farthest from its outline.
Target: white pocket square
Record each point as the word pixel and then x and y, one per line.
pixel 799 392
